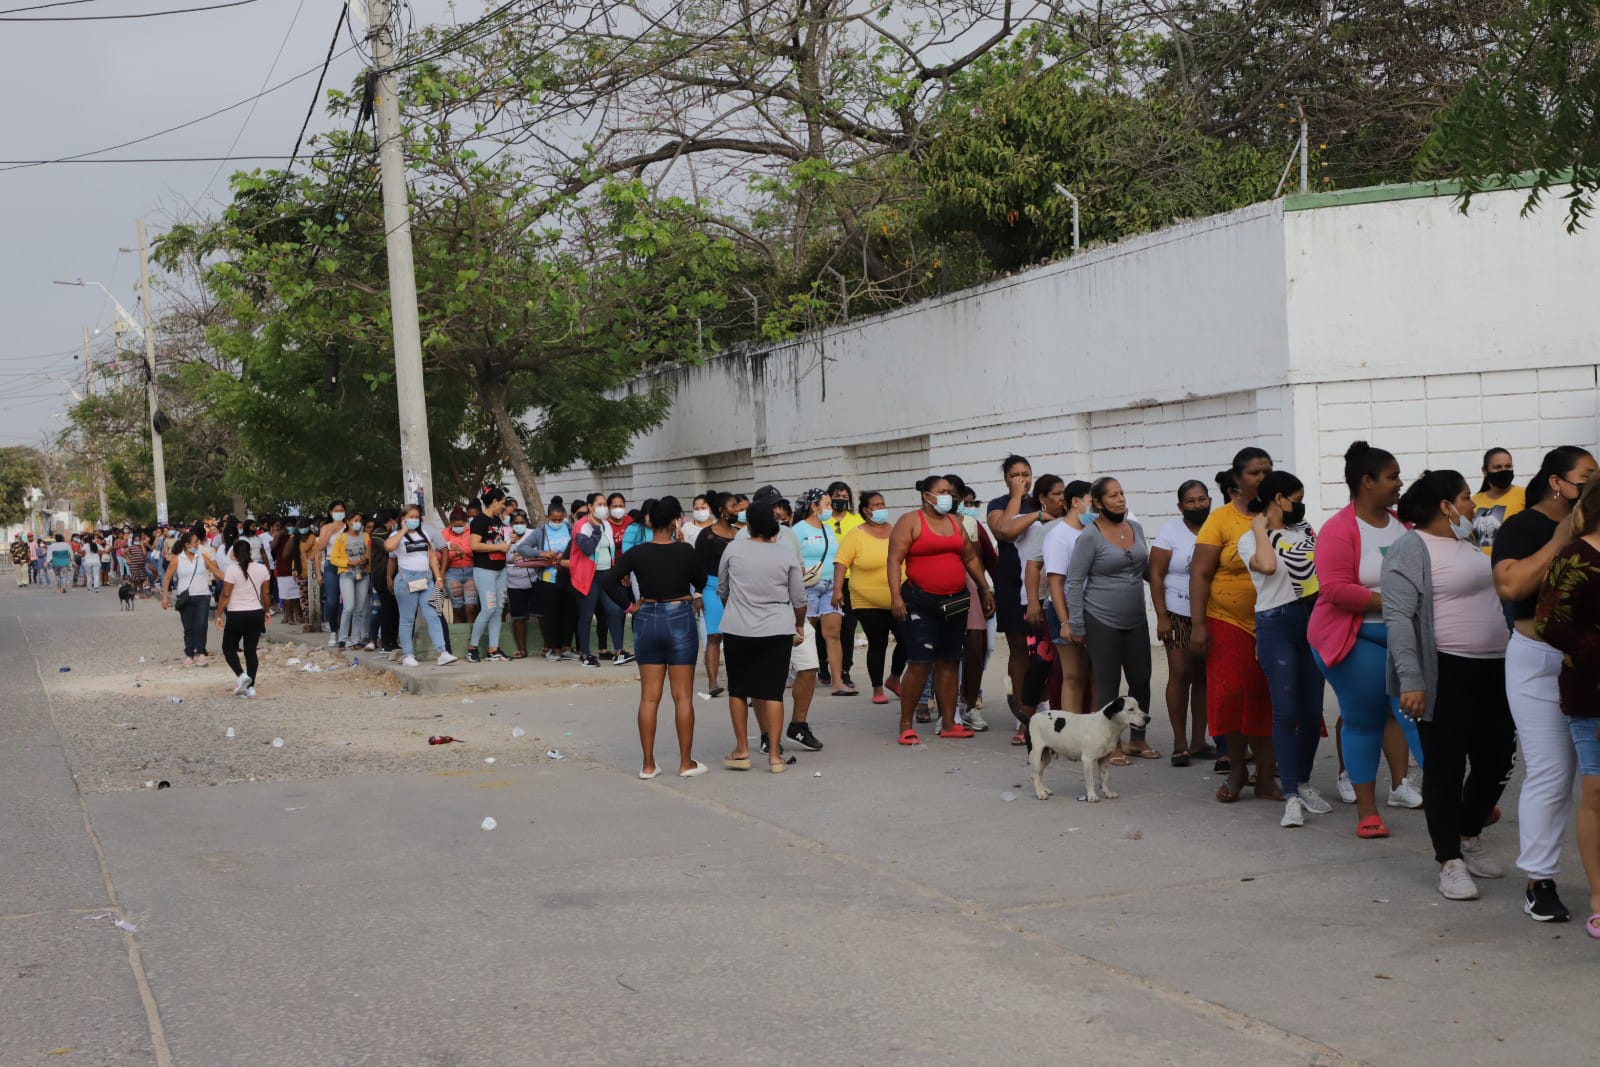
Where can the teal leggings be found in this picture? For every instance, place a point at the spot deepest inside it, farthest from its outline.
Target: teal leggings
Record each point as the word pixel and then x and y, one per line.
pixel 1360 682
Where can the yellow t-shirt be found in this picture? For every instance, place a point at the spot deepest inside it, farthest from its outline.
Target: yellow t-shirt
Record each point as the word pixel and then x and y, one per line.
pixel 1492 514
pixel 1233 594
pixel 866 558
pixel 842 524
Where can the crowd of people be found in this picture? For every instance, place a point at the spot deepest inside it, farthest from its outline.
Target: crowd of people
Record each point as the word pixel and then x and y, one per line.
pixel 1450 623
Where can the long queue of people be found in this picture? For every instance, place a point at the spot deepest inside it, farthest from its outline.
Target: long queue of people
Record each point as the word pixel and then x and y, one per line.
pixel 91 559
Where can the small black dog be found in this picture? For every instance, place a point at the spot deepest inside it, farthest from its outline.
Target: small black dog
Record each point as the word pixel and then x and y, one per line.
pixel 125 594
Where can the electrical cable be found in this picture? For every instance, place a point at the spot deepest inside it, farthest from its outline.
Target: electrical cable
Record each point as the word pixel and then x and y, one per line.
pixel 317 94
pixel 137 15
pixel 271 70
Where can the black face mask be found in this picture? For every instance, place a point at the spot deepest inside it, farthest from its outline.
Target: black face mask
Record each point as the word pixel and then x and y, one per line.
pixel 1501 479
pixel 1296 513
pixel 840 506
pixel 1196 516
pixel 1113 516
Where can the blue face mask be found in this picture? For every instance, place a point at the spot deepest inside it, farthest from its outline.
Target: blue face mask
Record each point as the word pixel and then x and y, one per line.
pixel 519 529
pixel 555 525
pixel 880 516
pixel 825 514
pixel 741 517
pixel 969 511
pixel 942 503
pixel 412 524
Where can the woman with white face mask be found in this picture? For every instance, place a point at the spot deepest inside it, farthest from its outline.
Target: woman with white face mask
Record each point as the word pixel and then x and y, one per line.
pixel 417 574
pixel 187 588
pixel 350 553
pixel 701 517
pixel 1447 668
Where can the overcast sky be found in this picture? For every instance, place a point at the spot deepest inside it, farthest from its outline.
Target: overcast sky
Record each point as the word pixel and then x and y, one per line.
pixel 72 87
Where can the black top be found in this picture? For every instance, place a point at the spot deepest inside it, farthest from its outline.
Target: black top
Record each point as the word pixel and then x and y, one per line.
pixel 488 530
pixel 1523 534
pixel 708 547
pixel 665 572
pixel 1009 572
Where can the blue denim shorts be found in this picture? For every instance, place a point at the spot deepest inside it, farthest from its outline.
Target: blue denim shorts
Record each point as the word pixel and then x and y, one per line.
pixel 666 635
pixel 819 600
pixel 1588 746
pixel 932 638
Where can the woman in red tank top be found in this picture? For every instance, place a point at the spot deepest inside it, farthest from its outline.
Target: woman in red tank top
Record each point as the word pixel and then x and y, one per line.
pixel 937 557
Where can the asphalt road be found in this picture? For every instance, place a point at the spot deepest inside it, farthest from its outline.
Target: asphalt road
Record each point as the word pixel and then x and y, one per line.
pixel 875 904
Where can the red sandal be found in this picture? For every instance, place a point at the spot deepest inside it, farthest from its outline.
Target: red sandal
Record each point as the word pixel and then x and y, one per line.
pixel 958 732
pixel 909 737
pixel 1372 826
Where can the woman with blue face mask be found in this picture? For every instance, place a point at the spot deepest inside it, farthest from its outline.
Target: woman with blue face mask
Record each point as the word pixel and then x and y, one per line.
pixel 519 584
pixel 418 572
pixel 547 546
pixel 864 555
pixel 819 547
pixel 938 557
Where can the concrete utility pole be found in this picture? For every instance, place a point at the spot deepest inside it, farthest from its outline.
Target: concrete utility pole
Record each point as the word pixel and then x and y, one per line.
pixel 88 394
pixel 416 463
pixel 1305 147
pixel 157 458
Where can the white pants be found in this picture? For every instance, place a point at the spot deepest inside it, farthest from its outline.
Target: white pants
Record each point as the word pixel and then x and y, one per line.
pixel 1550 762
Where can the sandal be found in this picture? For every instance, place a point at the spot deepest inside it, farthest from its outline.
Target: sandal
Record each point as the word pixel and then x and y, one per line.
pixel 958 732
pixel 879 698
pixel 923 714
pixel 736 763
pixel 847 692
pixel 1119 759
pixel 1226 793
pixel 893 686
pixel 1019 738
pixel 1592 927
pixel 1180 759
pixel 519 654
pixel 1372 826
pixel 779 768
pixel 1147 752
pixel 909 737
pixel 717 691
pixel 1222 766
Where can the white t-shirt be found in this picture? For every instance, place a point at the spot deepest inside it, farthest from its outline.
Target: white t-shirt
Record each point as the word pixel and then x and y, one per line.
pixel 1177 537
pixel 1030 546
pixel 1296 575
pixel 1375 542
pixel 190 574
pixel 1059 537
pixel 246 586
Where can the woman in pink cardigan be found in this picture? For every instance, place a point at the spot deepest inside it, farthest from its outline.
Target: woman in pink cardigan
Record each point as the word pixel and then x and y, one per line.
pixel 1348 637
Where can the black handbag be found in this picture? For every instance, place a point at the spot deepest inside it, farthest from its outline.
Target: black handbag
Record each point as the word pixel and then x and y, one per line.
pixel 954 606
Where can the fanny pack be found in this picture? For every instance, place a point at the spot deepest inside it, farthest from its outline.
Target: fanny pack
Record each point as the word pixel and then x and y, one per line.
pixel 956 605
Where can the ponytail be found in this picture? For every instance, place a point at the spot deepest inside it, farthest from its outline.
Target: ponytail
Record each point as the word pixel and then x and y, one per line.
pixel 1558 463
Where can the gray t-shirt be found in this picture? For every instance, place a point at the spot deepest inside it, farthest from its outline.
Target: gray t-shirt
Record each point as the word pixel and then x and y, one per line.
pixel 1107 580
pixel 761 584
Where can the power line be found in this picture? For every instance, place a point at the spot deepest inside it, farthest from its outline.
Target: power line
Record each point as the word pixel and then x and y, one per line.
pixel 271 70
pixel 317 94
pixel 41 7
pixel 19 164
pixel 113 18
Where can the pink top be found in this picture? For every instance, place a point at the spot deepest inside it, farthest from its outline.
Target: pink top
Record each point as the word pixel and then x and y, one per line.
pixel 246 595
pixel 1467 619
pixel 1342 600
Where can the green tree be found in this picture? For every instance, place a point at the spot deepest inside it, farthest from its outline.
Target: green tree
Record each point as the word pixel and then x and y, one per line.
pixel 20 470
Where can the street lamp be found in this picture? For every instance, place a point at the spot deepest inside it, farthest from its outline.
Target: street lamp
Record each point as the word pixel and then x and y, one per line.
pixel 125 319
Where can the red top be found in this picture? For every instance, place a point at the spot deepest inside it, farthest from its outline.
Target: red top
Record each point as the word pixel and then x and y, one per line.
pixel 934 562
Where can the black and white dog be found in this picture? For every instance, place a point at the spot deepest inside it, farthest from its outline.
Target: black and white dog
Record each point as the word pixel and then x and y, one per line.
pixel 1088 739
pixel 125 595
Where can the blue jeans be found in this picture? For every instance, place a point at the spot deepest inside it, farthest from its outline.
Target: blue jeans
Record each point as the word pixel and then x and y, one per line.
pixel 330 596
pixel 353 621
pixel 615 614
pixel 665 635
pixel 409 603
pixel 1296 685
pixel 1360 681
pixel 492 600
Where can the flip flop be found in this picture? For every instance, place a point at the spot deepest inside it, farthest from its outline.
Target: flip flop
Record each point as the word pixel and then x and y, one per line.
pixel 643 777
pixel 1372 826
pixel 1592 927
pixel 734 764
pixel 718 691
pixel 879 698
pixel 958 732
pixel 1226 794
pixel 1148 753
pixel 847 692
pixel 694 772
pixel 909 737
pixel 1180 759
pixel 1120 760
pixel 1019 738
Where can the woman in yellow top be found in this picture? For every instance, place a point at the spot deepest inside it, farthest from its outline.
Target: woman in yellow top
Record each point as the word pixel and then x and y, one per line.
pixel 350 552
pixel 1222 597
pixel 864 556
pixel 1497 500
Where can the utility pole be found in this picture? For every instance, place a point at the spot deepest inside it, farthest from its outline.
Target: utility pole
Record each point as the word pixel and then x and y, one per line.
pixel 99 470
pixel 157 458
pixel 1305 146
pixel 416 464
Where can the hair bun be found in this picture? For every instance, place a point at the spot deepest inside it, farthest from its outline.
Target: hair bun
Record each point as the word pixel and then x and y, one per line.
pixel 1356 448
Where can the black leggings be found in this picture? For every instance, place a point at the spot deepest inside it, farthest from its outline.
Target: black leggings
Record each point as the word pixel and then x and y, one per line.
pixel 1471 725
pixel 248 626
pixel 1114 654
pixel 879 625
pixel 557 609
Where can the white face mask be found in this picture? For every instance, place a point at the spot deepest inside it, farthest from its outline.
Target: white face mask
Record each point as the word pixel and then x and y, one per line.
pixel 618 514
pixel 702 514
pixel 338 516
pixel 1461 526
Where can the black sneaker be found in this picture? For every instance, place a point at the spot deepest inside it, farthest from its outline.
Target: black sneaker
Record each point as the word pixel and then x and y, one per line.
pixel 1543 903
pixel 496 656
pixel 622 659
pixel 800 733
pixel 472 656
pixel 764 745
pixel 590 661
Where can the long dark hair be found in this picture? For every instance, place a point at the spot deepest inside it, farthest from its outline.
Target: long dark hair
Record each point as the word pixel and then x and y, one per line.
pixel 1420 502
pixel 1361 460
pixel 1558 462
pixel 1275 484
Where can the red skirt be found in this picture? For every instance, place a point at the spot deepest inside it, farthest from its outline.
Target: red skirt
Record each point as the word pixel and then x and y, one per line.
pixel 1237 698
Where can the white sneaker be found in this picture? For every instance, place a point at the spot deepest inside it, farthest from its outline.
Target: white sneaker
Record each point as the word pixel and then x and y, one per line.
pixel 409 661
pixel 445 659
pixel 973 719
pixel 1312 800
pixel 1455 882
pixel 250 694
pixel 1294 813
pixel 1347 792
pixel 1478 863
pixel 188 661
pixel 370 646
pixel 333 640
pixel 1405 795
pixel 241 684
